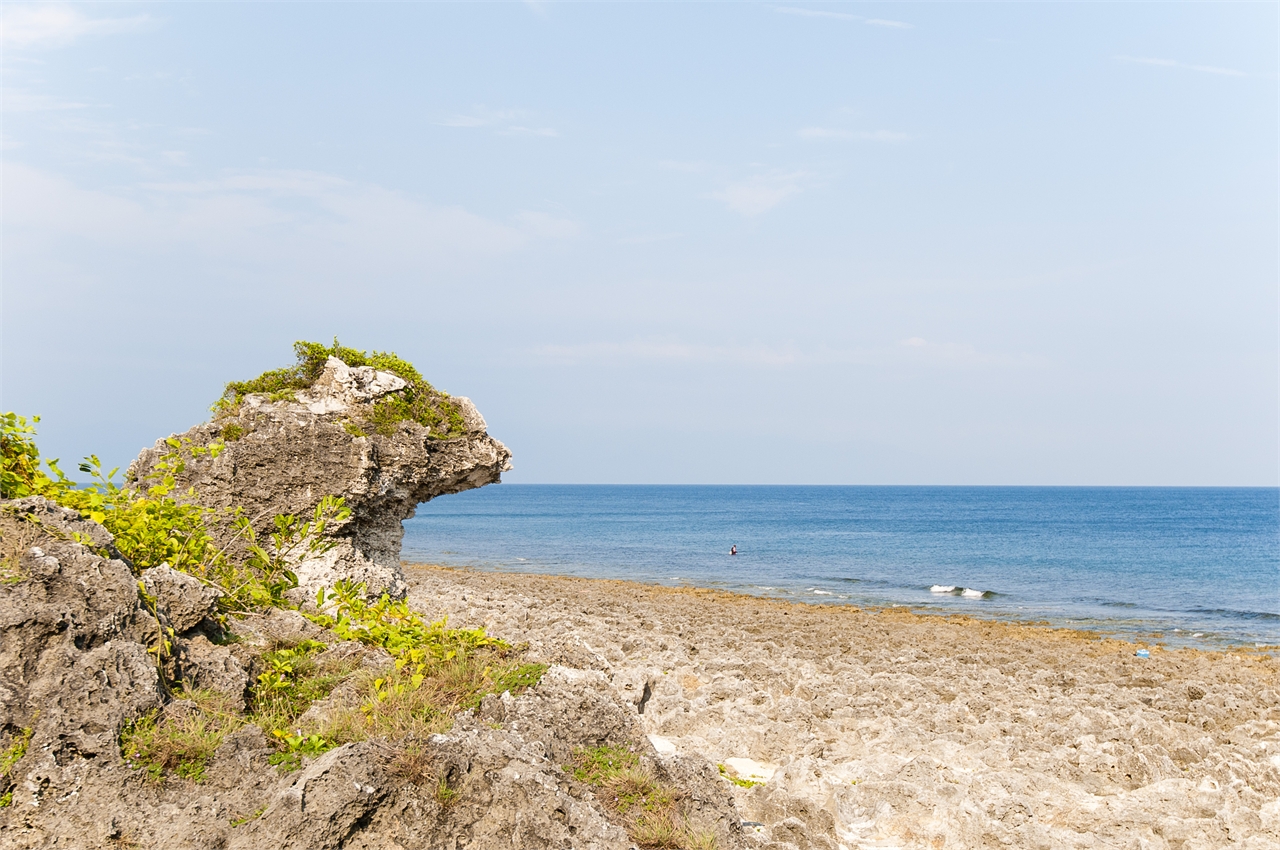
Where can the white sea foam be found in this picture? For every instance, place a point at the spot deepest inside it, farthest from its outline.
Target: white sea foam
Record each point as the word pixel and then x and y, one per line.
pixel 970 593
pixel 943 588
pixel 820 592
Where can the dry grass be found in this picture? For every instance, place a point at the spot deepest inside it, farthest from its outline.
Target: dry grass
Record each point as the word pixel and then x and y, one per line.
pixel 277 701
pixel 402 706
pixel 181 740
pixel 649 810
pixel 16 537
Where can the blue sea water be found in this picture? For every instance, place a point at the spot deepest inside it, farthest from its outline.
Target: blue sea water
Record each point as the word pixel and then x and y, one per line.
pixel 1197 566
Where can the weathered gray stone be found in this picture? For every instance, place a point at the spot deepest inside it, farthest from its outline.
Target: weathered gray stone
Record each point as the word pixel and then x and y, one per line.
pixel 280 626
pixel 182 599
pixel 74 665
pixel 293 453
pixel 216 668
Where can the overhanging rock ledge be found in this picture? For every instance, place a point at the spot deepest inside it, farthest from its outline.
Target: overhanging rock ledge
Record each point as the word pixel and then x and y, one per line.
pixel 289 454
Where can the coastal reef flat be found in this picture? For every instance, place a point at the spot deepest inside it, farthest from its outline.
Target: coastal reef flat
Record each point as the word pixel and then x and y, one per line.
pixel 839 727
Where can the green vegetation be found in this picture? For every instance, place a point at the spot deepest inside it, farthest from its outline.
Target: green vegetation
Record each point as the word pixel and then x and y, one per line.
pixel 152 527
pixel 435 671
pixel 648 809
pixel 418 402
pixel 241 821
pixel 180 741
pixel 11 755
pixel 741 783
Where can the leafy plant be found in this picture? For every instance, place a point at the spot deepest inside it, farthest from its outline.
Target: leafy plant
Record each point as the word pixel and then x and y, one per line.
pixel 741 783
pixel 417 402
pixel 394 626
pixel 20 472
pixel 254 815
pixel 297 746
pixel 291 681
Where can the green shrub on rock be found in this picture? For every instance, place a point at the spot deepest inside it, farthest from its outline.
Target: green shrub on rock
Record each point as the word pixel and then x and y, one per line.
pixel 417 402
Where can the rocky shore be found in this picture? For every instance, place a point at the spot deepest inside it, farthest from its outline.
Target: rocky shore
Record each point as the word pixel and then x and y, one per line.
pixel 886 729
pixel 228 653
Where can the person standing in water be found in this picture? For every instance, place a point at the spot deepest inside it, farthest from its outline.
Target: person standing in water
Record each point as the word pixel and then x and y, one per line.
pixel 733 550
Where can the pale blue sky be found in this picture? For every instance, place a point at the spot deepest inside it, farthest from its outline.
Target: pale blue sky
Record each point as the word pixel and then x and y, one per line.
pixel 720 243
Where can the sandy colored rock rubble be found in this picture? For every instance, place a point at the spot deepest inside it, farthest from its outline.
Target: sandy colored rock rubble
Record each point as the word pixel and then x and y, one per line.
pixel 291 453
pixel 896 730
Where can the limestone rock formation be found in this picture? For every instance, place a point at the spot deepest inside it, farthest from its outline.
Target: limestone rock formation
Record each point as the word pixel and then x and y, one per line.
pixel 284 456
pixel 74 665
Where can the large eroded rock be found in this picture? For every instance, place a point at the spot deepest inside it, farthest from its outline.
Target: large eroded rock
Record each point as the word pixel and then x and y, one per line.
pixel 283 457
pixel 74 666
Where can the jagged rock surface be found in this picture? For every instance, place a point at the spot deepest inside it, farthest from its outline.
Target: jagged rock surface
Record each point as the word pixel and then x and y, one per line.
pixel 883 729
pixel 75 668
pixel 74 665
pixel 292 453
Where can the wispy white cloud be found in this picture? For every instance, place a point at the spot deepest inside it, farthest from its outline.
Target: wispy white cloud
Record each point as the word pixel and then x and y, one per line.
pixel 760 193
pixel 504 122
pixel 17 100
pixel 1169 63
pixel 857 135
pixel 881 22
pixel 914 351
pixel 50 25
pixel 816 13
pixel 546 226
pixel 278 219
pixel 841 16
pixel 517 130
pixel 669 351
pixel 684 167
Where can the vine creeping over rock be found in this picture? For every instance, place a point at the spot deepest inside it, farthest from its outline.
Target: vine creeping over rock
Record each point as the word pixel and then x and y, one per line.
pixel 417 401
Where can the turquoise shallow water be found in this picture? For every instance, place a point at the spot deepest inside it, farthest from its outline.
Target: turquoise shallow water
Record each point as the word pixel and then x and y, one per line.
pixel 1200 566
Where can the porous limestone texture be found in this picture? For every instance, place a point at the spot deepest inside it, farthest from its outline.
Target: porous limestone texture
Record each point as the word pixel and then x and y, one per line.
pixel 287 455
pixel 887 729
pixel 74 665
pixel 75 668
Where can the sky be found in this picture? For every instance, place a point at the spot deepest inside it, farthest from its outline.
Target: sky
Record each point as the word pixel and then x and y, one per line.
pixel 908 243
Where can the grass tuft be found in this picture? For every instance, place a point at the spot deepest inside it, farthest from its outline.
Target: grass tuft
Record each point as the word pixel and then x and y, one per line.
pixel 741 783
pixel 181 742
pixel 648 809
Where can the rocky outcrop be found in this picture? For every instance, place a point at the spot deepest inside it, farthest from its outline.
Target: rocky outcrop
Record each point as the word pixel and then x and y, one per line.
pixel 284 456
pixel 78 634
pixel 74 665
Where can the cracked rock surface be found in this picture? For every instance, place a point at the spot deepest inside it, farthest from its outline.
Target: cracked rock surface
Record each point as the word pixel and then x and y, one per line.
pixel 897 730
pixel 289 454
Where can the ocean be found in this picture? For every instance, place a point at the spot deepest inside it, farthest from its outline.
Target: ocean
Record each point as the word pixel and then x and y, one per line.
pixel 1180 566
